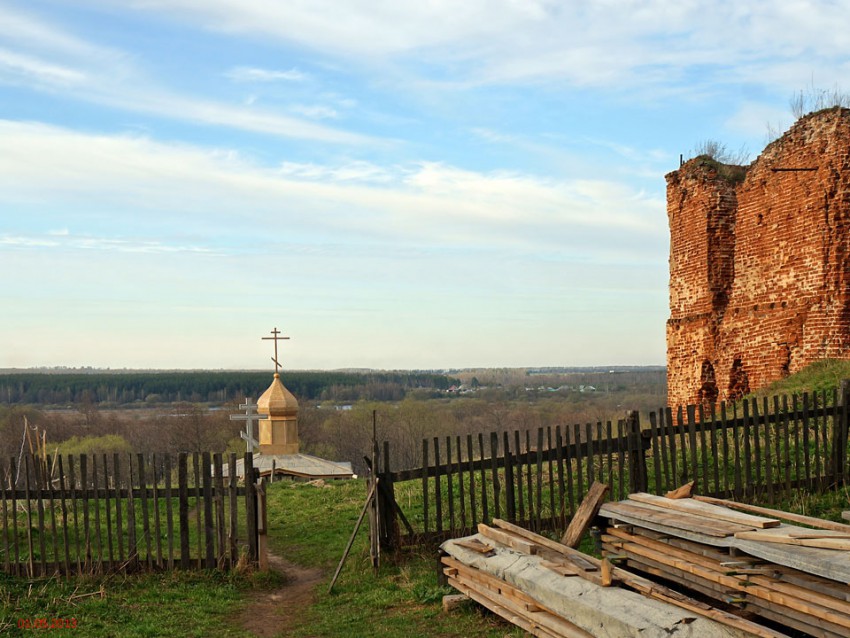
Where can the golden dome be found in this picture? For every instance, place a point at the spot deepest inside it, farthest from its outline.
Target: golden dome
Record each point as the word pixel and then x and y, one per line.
pixel 277 400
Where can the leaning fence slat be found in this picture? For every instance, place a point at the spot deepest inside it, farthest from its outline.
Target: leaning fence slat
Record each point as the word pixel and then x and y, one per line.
pixel 683 446
pixel 562 497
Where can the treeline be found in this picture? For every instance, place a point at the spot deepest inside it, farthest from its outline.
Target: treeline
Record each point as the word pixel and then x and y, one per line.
pixel 122 388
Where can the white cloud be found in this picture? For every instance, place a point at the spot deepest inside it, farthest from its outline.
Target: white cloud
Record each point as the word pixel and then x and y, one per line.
pixel 217 192
pixel 611 44
pixel 253 74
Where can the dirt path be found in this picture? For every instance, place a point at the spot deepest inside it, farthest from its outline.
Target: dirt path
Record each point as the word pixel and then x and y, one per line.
pixel 274 612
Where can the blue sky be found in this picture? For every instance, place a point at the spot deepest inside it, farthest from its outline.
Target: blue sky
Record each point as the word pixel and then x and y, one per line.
pixel 393 184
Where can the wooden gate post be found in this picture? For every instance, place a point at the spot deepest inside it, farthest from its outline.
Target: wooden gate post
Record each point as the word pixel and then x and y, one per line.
pixel 389 536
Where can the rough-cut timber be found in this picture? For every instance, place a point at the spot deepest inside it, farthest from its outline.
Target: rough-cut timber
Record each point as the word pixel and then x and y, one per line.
pixel 760 263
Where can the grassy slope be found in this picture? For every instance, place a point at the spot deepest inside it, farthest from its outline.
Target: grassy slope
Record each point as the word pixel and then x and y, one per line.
pixel 821 375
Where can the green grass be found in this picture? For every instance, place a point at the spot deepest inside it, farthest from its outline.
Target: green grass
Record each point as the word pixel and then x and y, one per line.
pixel 821 375
pixel 311 525
pixel 173 604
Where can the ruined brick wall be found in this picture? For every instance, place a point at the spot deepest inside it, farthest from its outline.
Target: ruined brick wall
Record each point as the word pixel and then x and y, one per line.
pixel 760 263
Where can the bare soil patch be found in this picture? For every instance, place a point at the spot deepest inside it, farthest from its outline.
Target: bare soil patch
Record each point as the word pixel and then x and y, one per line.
pixel 272 613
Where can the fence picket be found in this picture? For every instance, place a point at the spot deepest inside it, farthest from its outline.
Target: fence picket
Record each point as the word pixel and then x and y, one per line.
pixel 485 514
pixel 507 457
pixel 438 488
pixel 518 472
pixel 494 466
pixel 656 460
pixel 461 500
pixel 470 458
pixel 450 483
pixel 425 484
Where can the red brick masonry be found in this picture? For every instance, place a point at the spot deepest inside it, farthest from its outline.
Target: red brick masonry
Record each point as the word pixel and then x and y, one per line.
pixel 760 263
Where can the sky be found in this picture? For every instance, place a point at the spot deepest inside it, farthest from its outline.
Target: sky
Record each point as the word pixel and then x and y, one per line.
pixel 400 185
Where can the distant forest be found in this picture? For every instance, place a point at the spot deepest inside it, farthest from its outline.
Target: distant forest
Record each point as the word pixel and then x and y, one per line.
pixel 119 388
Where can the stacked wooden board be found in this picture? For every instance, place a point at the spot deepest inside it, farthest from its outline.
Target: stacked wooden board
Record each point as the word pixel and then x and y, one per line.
pixel 792 575
pixel 551 590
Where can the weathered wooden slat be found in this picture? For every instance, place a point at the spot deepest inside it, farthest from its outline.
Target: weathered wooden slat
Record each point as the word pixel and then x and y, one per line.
pixel 460 483
pixel 438 487
pixel 6 553
pixel 539 473
pixel 589 457
pixel 14 499
pixel 472 504
pixel 425 511
pixel 87 539
pixel 663 479
pixel 725 433
pixel 552 509
pixel 520 489
pixel 251 508
pixel 510 503
pixel 450 485
pixel 707 510
pixel 221 540
pixel 97 534
pixel 157 522
pixel 199 530
pixel 586 511
pixel 234 509
pixel 146 528
pixel 485 511
pixel 683 446
pixel 132 544
pixel 562 502
pixel 183 507
pixel 694 452
pixel 579 465
pixel 768 455
pixel 703 443
pixel 209 523
pixel 621 458
pixel 169 512
pixel 108 510
pixel 494 474
pixel 713 442
pixel 529 477
pixel 807 460
pixel 569 457
pixel 116 469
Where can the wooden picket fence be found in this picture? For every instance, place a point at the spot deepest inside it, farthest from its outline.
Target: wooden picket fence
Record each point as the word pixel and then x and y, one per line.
pixel 123 512
pixel 755 449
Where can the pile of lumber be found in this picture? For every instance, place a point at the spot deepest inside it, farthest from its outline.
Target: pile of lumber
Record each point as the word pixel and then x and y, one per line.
pixel 792 575
pixel 552 590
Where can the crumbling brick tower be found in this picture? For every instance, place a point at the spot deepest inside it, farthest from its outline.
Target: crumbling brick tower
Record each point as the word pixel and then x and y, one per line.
pixel 760 263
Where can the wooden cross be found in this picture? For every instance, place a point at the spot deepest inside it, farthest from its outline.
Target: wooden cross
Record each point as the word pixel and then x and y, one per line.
pixel 275 338
pixel 249 406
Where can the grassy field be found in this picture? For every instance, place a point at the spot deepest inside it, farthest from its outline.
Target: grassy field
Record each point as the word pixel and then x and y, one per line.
pixel 309 526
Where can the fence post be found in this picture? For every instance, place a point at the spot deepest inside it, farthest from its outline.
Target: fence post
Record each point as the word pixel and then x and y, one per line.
pixel 840 431
pixel 637 453
pixel 250 507
pixel 262 527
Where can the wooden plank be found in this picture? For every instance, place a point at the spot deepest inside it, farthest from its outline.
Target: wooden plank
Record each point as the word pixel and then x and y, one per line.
pixel 39 482
pixel 669 518
pixel 736 438
pixel 785 516
pixel 706 510
pixel 822 543
pixel 63 504
pixel 87 541
pixel 786 424
pixel 6 554
pixel 588 439
pixel 579 464
pixel 518 475
pixel 568 459
pixel 724 433
pixel 806 444
pixel 251 522
pixel 588 509
pixel 768 455
pixel 647 587
pixel 54 531
pixel 132 546
pixel 474 544
pixel 662 479
pixel 713 442
pixel 747 430
pixel 621 458
pixel 703 449
pixel 692 442
pixel 529 478
pixel 610 455
pixel 683 446
pixel 199 507
pixel 14 499
pixel 521 545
